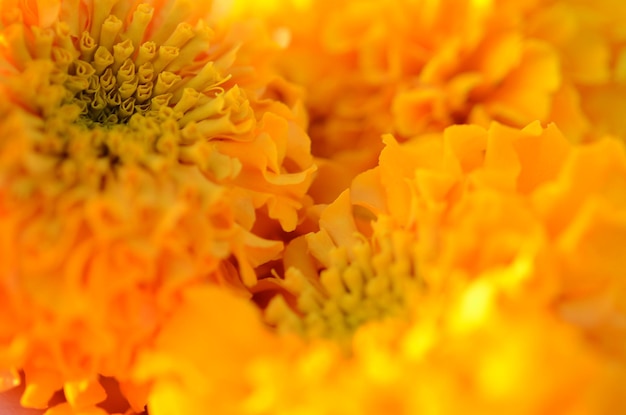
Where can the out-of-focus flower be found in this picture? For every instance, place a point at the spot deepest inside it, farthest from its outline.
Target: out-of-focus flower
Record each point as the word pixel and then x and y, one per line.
pixel 584 212
pixel 589 38
pixel 208 368
pixel 409 67
pixel 140 148
pixel 432 369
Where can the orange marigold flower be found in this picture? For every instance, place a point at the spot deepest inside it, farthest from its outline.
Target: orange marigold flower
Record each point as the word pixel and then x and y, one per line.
pixel 140 148
pixel 408 67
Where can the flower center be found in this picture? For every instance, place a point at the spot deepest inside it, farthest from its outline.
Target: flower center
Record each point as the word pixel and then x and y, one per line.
pixel 126 91
pixel 373 280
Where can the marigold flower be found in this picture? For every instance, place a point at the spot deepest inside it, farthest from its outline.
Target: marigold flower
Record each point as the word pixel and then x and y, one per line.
pixel 484 230
pixel 139 151
pixel 409 67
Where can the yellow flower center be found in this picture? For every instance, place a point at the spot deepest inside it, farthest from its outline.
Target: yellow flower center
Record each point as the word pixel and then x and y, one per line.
pixel 369 281
pixel 127 92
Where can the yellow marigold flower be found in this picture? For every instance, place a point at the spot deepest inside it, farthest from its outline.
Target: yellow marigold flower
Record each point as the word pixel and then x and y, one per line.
pixel 140 149
pixel 453 207
pixel 421 191
pixel 508 246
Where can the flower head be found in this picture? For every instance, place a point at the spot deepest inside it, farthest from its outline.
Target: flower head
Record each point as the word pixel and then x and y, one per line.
pixel 479 268
pixel 139 151
pixel 407 68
